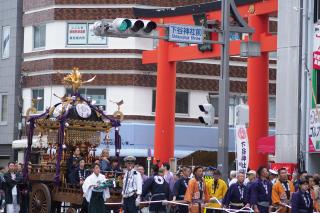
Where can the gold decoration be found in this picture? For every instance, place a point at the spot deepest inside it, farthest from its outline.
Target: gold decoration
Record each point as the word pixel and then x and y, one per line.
pixel 251 9
pixel 75 79
pixel 118 114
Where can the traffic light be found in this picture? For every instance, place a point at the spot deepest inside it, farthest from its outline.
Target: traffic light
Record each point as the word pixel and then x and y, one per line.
pixel 123 27
pixel 208 117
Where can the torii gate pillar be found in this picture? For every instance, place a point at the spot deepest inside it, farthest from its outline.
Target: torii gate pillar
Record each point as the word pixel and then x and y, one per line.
pixel 165 103
pixel 258 94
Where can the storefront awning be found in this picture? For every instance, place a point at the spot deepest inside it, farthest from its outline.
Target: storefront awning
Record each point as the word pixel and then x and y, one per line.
pixel 267 145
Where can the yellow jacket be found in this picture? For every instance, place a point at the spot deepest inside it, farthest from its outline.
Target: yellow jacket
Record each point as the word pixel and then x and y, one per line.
pixel 217 191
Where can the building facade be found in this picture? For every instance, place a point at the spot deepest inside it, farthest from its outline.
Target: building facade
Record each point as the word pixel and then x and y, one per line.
pixel 11 35
pixel 57 37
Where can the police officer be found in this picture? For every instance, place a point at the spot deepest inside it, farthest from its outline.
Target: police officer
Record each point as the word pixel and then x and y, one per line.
pixel 132 187
pixel 301 201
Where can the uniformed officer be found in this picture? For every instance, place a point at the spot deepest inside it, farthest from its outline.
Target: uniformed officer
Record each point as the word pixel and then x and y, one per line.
pixel 301 201
pixel 261 192
pixel 235 196
pixel 132 187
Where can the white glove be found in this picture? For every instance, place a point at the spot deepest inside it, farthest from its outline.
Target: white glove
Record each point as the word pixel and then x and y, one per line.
pixel 138 200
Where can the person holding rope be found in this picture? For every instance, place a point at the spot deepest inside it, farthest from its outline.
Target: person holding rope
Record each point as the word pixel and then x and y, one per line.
pixel 235 196
pixel 301 201
pixel 180 188
pixel 197 192
pixel 217 189
pixel 282 190
pixel 159 190
pixel 261 190
pixel 132 187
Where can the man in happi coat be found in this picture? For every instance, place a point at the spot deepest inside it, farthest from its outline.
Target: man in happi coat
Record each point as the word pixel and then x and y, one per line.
pixel 301 201
pixel 282 190
pixel 159 189
pixel 235 196
pixel 180 188
pixel 95 191
pixel 196 193
pixel 261 190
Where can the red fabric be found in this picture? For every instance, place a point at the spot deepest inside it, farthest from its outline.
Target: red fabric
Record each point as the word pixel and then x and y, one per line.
pixel 267 145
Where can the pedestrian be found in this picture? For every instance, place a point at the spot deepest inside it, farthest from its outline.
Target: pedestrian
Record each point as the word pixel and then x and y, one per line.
pixel 142 172
pixel 235 196
pixel 316 189
pixel 2 184
pixel 310 180
pixel 94 191
pixel 72 164
pixel 168 176
pixel 251 177
pixel 302 175
pixel 301 201
pixel 81 173
pixel 197 192
pixel 132 187
pixel 159 189
pixel 180 188
pixel 261 190
pixel 12 181
pixel 233 177
pixel 281 191
pixel 273 176
pixel 217 190
pixel 104 161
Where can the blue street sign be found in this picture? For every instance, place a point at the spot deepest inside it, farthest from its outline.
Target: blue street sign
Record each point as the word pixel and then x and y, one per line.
pixel 186 34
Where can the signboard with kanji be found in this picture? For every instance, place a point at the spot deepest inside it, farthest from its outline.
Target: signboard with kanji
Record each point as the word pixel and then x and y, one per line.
pixel 186 34
pixel 242 145
pixel 314 131
pixel 77 34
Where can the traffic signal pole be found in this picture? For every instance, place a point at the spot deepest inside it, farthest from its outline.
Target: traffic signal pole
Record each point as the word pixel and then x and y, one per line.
pixel 166 93
pixel 224 84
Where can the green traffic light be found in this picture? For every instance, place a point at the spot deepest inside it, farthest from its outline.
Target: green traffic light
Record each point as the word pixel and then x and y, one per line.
pixel 125 24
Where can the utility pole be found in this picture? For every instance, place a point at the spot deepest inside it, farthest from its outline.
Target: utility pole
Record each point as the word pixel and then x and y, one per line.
pixel 224 82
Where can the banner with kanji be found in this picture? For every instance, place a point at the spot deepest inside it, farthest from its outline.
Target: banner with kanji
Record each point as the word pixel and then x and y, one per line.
pixel 242 145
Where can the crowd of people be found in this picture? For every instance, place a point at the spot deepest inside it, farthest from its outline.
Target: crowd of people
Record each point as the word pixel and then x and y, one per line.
pixel 190 189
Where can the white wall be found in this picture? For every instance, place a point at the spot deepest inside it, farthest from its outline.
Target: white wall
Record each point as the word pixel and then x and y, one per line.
pixel 56 38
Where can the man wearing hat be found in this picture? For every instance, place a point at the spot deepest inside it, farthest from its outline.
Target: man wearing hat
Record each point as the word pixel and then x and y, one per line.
pixel 273 176
pixel 132 187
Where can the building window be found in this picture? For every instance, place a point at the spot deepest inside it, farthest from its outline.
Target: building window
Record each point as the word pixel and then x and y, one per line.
pixel 38 94
pixel 5 43
pixel 316 11
pixel 272 109
pixel 39 36
pixel 4 108
pixel 182 102
pixel 97 95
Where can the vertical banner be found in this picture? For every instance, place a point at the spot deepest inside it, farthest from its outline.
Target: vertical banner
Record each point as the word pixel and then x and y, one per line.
pixel 5 44
pixel 242 145
pixel 314 131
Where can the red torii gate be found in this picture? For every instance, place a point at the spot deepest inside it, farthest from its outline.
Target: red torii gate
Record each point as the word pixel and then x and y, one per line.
pixel 167 54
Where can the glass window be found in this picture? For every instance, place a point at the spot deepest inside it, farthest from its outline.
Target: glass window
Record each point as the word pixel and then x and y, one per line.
pixel 39 36
pixel 4 108
pixel 272 108
pixel 38 94
pixel 5 44
pixel 182 102
pixel 97 95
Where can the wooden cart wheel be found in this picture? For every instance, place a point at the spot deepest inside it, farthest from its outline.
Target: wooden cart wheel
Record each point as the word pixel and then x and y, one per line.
pixel 40 199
